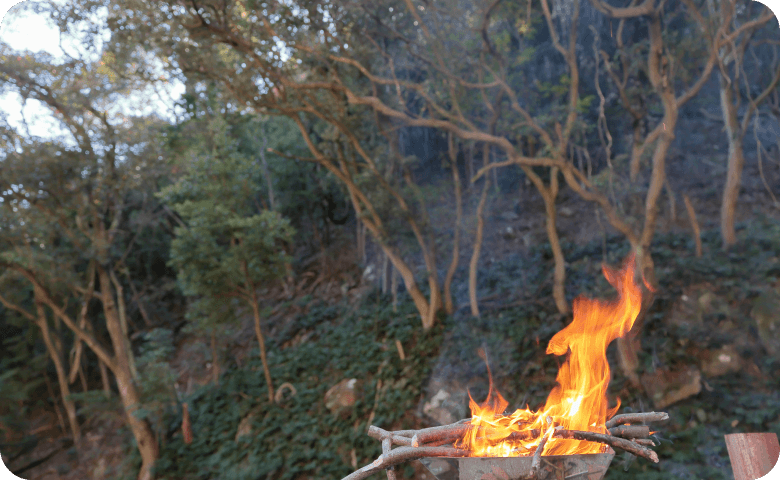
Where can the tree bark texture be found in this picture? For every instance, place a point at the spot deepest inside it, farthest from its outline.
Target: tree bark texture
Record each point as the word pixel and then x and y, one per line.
pixel 128 392
pixel 549 194
pixel 252 297
pixel 214 359
pixel 56 355
pixel 736 162
pixel 448 305
pixel 474 263
pixel 752 455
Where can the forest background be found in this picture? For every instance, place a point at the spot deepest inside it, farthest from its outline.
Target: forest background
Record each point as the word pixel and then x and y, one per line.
pixel 351 199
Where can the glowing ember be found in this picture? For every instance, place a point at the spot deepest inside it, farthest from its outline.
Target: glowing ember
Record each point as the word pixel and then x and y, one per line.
pixel 579 401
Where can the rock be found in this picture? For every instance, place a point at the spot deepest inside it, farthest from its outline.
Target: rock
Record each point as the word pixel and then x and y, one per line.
pixel 509 233
pixel 342 395
pixel 667 387
pixel 509 216
pixel 766 314
pixel 528 240
pixel 715 363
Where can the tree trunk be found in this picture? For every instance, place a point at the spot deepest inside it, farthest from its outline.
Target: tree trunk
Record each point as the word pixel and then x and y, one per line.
pixel 394 288
pixel 637 148
pixel 474 263
pixel 128 392
pixel 214 359
pixel 736 162
pixel 104 379
pixel 448 306
pixel 261 343
pixel 419 299
pixel 252 297
pixel 361 242
pixel 122 313
pixel 549 195
pixel 386 268
pixel 56 356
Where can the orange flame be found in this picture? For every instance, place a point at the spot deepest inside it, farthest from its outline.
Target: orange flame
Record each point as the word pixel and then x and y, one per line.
pixel 579 401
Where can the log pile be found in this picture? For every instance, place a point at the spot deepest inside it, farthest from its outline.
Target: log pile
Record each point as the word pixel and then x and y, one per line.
pixel 627 432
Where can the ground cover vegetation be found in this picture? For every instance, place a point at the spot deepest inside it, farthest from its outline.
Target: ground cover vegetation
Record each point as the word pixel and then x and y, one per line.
pixel 350 200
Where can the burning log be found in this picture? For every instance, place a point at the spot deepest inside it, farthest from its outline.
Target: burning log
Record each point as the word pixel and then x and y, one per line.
pixel 429 441
pixel 537 461
pixel 496 440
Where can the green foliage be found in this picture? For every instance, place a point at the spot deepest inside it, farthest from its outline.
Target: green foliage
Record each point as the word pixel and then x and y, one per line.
pixel 227 246
pixel 157 378
pixel 299 436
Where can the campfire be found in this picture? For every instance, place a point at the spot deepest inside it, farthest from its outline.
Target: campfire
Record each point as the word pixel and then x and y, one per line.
pixel 572 436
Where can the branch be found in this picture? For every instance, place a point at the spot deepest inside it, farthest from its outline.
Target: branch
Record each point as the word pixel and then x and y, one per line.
pixel 615 442
pixel 646 8
pixel 624 418
pixel 403 454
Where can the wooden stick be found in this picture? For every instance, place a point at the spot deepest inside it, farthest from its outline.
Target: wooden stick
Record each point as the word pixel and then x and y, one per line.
pixel 403 454
pixel 614 442
pixel 644 441
pixel 537 460
pixel 454 431
pixel 380 434
pixel 387 446
pixel 636 418
pixel 630 431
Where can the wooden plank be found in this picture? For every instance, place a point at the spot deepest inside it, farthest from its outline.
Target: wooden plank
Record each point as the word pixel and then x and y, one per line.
pixel 752 455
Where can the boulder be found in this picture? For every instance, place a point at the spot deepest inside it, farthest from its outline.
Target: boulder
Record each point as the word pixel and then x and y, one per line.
pixel 666 387
pixel 715 363
pixel 342 395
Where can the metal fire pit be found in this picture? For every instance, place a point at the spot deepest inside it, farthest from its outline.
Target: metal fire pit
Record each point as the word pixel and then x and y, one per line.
pixel 554 467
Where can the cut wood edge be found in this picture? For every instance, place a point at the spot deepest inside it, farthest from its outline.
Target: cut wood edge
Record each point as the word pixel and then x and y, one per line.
pixel 752 455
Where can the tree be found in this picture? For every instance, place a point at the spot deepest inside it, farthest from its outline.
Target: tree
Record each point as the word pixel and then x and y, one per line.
pixel 731 41
pixel 54 343
pixel 228 247
pixel 75 185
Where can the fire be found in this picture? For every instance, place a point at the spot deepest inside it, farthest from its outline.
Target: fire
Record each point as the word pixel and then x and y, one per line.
pixel 579 401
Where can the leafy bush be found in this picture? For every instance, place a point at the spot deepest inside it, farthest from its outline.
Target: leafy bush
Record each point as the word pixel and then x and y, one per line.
pixel 299 436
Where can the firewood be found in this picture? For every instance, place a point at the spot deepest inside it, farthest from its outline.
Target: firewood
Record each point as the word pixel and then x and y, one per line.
pixel 453 431
pixel 644 441
pixel 404 454
pixel 387 445
pixel 380 434
pixel 537 460
pixel 630 431
pixel 752 455
pixel 636 418
pixel 614 442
